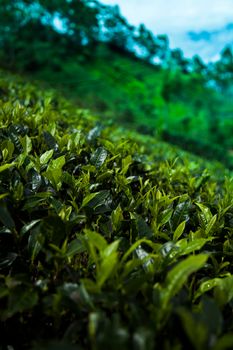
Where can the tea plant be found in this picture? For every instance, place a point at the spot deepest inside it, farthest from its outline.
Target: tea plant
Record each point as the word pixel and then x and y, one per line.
pixel 102 246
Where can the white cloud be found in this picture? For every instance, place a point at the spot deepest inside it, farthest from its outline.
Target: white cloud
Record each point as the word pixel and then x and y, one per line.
pixel 164 15
pixel 177 17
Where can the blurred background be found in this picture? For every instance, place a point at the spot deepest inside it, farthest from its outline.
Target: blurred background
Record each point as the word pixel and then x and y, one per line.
pixel 164 69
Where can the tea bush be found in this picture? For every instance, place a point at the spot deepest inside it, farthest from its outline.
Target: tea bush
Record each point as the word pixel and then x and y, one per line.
pixel 103 246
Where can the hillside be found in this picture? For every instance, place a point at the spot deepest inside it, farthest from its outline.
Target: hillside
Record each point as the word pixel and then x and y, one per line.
pixel 107 239
pixel 177 107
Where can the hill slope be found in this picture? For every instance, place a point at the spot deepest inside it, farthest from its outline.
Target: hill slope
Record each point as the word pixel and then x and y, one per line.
pixel 179 107
pixel 102 246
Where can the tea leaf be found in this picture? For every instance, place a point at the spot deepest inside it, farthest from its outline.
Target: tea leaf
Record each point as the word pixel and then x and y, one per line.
pixel 95 199
pixel 6 166
pixel 99 156
pixel 45 157
pixel 29 226
pixel 178 276
pixel 75 247
pixel 179 231
pixel 181 213
pixel 106 268
pixel 96 240
pixel 6 218
pixel 27 144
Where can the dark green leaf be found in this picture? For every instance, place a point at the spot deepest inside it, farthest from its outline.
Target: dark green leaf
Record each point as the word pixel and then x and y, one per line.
pixel 7 260
pixel 75 247
pixel 180 214
pixel 178 276
pixel 97 199
pixel 29 226
pixel 50 141
pixel 6 218
pixel 98 157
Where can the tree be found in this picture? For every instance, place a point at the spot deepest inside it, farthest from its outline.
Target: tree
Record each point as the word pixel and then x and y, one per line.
pixel 223 71
pixel 29 37
pixel 178 61
pixel 115 29
pixel 198 65
pixel 147 42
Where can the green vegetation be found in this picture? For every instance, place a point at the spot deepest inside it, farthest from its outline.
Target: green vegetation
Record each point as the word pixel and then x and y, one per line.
pixel 110 237
pixel 108 65
pixel 152 100
pixel 102 246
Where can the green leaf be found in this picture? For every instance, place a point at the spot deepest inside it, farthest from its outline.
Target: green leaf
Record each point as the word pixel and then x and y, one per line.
pixel 7 260
pixel 3 195
pixel 210 225
pixel 96 199
pixel 169 250
pixel 6 166
pixel 165 216
pixel 27 144
pixel 29 226
pixel 74 140
pixel 193 327
pixel 36 180
pixel 178 276
pixel 146 258
pixel 126 162
pixel 94 133
pixel 57 164
pixel 110 249
pixel 35 243
pixel 98 157
pixel 65 213
pixel 20 301
pixel 7 149
pixel 179 231
pixel 54 171
pixel 206 286
pixel 106 268
pixel 143 229
pixel 96 239
pixel 16 142
pixel 180 214
pixel 205 214
pixel 131 265
pixel 223 292
pixel 50 141
pixel 6 218
pixel 75 247
pixel 136 245
pixel 117 217
pixel 202 322
pixel 33 202
pixel 45 157
pixel 187 247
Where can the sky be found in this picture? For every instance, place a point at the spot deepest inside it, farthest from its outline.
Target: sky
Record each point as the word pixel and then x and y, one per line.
pixel 200 27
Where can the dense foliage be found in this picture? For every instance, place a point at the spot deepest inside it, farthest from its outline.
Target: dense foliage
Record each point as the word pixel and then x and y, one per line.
pixel 178 107
pixel 95 55
pixel 101 246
